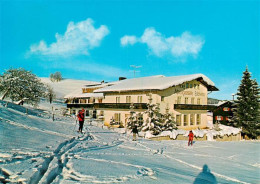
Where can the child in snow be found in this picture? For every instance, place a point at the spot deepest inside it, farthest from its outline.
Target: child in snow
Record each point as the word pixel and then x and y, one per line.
pixel 191 135
pixel 81 120
pixel 135 131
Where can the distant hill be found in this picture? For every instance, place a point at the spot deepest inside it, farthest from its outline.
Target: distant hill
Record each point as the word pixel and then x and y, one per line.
pixel 66 86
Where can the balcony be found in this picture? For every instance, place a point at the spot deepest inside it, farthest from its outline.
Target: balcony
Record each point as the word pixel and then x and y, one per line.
pixel 120 106
pixel 78 105
pixel 193 107
pixel 108 105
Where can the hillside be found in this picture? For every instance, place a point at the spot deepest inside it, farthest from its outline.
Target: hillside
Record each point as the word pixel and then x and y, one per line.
pixel 34 149
pixel 66 86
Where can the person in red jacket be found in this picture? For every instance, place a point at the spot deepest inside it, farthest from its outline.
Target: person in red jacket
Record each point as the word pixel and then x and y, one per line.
pixel 81 116
pixel 191 135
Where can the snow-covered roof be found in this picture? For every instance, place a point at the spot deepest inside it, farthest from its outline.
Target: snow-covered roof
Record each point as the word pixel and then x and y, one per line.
pixel 101 85
pixel 158 82
pixel 78 94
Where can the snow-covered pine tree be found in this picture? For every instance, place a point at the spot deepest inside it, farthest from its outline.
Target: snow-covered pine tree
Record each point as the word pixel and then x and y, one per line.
pixel 246 113
pixel 131 121
pixel 168 122
pixel 153 122
pixel 135 119
pixel 19 85
pixel 140 119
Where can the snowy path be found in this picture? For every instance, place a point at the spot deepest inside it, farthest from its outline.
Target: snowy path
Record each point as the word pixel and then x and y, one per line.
pixel 37 150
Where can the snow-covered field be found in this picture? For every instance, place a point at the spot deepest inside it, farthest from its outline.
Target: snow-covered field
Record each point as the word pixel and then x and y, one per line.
pixel 66 86
pixel 34 149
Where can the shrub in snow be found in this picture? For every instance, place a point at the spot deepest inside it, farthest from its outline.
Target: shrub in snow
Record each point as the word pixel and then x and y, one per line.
pixel 21 85
pixel 49 94
pixel 113 122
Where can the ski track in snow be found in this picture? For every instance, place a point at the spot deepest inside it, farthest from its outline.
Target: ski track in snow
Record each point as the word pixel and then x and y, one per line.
pixel 58 165
pixel 34 128
pixel 191 165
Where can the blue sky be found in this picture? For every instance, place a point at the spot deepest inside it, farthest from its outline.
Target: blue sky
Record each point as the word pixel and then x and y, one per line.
pixel 99 40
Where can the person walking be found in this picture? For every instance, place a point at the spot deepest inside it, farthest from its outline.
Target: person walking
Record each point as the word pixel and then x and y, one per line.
pixel 81 116
pixel 135 131
pixel 191 135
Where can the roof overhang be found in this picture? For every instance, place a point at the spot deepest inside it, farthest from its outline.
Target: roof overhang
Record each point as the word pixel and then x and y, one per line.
pixel 209 87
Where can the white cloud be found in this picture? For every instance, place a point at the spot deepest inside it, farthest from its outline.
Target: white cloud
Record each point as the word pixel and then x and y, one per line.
pixel 155 41
pixel 78 39
pixel 128 40
pixel 159 45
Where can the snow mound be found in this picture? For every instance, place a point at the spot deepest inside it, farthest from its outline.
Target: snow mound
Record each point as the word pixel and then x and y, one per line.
pixel 224 130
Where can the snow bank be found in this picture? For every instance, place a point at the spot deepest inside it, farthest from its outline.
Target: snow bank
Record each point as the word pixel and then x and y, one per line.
pixel 224 130
pixel 147 134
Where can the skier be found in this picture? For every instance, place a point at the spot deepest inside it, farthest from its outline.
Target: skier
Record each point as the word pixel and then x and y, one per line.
pixel 81 119
pixel 191 135
pixel 135 131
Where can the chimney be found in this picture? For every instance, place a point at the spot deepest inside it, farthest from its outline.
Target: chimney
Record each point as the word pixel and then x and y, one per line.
pixel 122 78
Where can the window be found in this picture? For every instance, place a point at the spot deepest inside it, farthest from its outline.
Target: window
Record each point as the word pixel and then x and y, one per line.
pixel 187 85
pixel 185 120
pixel 198 119
pixel 192 100
pixel 139 99
pixel 179 100
pixel 186 100
pixel 195 86
pixel 128 99
pixel 83 101
pixel 117 117
pixel 191 85
pixel 178 120
pixel 162 98
pixel 117 99
pixel 192 119
pixel 198 101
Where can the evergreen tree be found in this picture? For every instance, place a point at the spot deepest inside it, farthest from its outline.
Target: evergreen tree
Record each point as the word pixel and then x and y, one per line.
pixel 131 121
pixel 246 114
pixel 135 119
pixel 21 85
pixel 153 123
pixel 168 123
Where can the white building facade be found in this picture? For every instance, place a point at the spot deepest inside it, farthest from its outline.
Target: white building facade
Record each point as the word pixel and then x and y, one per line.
pixel 184 96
